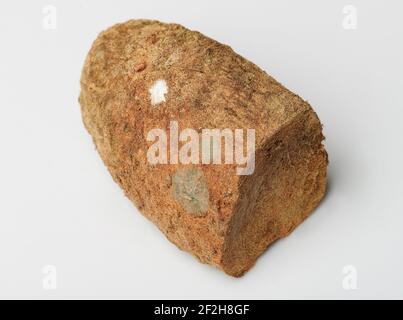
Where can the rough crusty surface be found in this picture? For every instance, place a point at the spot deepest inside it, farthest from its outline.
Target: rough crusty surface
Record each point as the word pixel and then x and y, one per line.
pixel 222 218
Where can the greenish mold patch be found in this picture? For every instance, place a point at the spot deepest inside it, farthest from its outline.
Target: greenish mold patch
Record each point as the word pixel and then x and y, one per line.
pixel 190 190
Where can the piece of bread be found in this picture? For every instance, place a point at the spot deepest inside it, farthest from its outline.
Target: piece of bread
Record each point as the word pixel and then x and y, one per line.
pixel 142 75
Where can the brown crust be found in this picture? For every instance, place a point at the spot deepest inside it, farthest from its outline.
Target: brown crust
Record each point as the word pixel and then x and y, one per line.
pixel 210 86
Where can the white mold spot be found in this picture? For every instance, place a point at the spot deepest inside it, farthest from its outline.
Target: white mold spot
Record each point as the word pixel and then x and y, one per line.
pixel 158 91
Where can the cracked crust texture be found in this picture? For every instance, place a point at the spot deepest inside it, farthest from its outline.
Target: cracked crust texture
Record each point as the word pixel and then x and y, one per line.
pixel 209 86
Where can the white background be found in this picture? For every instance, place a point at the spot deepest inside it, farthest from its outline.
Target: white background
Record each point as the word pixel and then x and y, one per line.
pixel 60 207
